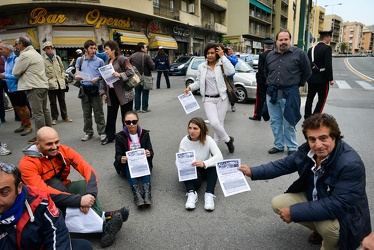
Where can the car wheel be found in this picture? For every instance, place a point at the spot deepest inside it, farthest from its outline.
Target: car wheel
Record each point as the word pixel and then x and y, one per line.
pixel 242 94
pixel 188 83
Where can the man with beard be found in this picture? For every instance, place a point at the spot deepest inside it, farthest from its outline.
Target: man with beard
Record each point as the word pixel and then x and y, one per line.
pixel 286 68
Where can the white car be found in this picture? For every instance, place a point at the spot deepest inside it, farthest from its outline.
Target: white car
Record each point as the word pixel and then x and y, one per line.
pixel 244 78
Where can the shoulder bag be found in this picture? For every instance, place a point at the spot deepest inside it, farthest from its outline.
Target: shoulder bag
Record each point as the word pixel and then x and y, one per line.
pixel 232 93
pixel 147 80
pixel 78 83
pixel 133 81
pixel 66 81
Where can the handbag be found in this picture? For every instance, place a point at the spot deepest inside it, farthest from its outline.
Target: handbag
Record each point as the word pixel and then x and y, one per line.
pixel 147 80
pixel 78 83
pixel 133 81
pixel 232 92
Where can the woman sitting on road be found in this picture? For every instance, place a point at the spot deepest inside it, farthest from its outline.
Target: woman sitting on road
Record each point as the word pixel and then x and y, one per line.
pixel 207 154
pixel 212 87
pixel 134 137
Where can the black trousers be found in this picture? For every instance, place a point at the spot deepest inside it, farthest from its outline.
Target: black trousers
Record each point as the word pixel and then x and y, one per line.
pixel 322 89
pixel 260 100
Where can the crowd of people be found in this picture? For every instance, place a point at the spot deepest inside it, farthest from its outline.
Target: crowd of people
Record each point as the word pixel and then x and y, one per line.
pixel 329 197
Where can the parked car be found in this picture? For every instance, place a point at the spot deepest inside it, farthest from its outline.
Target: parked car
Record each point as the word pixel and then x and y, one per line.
pixel 247 58
pixel 244 78
pixel 180 65
pixel 255 61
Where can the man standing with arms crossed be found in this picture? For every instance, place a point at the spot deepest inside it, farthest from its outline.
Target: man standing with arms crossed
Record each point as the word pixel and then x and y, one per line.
pixel 286 68
pixel 320 57
pixel 30 70
pixel 261 84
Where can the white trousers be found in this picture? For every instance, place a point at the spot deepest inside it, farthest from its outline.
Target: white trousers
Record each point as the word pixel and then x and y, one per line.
pixel 215 110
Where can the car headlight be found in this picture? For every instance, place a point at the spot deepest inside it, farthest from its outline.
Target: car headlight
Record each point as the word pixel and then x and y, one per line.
pixel 181 66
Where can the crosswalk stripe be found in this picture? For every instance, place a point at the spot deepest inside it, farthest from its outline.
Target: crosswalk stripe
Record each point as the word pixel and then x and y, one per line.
pixel 343 84
pixel 365 85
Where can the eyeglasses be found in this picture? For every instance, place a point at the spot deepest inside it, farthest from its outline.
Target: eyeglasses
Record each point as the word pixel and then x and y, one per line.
pixel 7 167
pixel 134 122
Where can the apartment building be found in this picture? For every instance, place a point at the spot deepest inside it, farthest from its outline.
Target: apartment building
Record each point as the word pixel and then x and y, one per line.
pixel 250 21
pixel 352 35
pixel 180 26
pixel 367 40
pixel 334 23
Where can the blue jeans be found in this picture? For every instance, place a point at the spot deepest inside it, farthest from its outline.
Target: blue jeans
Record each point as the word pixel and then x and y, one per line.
pixel 141 98
pixel 135 181
pixel 283 132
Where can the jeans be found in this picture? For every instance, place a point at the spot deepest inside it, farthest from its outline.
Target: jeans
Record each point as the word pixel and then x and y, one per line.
pixel 210 174
pixel 141 98
pixel 215 110
pixel 283 132
pixel 38 99
pixel 135 181
pixel 328 229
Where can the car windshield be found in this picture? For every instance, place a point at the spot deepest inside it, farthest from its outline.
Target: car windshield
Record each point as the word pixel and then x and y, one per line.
pixel 196 63
pixel 243 67
pixel 182 59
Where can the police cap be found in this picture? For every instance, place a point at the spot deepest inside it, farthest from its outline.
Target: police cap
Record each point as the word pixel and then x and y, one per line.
pixel 325 33
pixel 268 40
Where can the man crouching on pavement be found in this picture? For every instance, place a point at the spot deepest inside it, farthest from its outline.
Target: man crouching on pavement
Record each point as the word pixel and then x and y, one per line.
pixel 47 164
pixel 329 197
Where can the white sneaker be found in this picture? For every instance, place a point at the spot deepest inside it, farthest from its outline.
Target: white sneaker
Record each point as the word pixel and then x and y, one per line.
pixel 209 201
pixel 191 200
pixel 86 137
pixel 4 151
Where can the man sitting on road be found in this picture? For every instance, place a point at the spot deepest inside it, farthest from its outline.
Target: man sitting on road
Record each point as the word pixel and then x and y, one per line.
pixel 28 217
pixel 329 197
pixel 47 164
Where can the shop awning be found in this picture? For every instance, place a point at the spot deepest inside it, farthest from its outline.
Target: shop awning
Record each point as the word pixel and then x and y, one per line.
pixel 131 37
pixel 260 5
pixel 11 35
pixel 72 37
pixel 167 42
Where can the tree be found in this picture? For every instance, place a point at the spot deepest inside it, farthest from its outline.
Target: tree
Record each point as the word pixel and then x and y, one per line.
pixel 343 47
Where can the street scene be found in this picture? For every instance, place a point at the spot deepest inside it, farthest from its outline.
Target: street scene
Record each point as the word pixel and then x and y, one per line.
pixel 241 221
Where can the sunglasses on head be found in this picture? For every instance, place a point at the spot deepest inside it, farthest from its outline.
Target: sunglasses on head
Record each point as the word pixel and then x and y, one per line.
pixel 7 167
pixel 134 122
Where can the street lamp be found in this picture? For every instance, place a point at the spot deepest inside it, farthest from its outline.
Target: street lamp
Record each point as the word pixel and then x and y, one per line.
pixel 332 7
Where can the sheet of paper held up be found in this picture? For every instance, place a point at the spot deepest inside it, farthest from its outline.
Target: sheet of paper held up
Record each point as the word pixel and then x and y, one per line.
pixel 84 76
pixel 188 102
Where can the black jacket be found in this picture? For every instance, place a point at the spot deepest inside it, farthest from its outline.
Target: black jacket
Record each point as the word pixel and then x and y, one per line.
pixel 323 59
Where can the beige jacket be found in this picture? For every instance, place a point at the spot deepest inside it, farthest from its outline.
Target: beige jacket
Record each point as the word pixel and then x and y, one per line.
pixel 30 70
pixel 55 72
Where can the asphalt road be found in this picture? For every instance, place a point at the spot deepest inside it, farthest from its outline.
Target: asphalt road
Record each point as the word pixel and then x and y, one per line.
pixel 243 221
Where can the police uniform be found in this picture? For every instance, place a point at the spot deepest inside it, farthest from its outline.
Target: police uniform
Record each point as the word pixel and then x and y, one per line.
pixel 259 109
pixel 319 82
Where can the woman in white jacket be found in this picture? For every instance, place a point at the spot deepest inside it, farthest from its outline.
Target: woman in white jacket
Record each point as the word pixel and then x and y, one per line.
pixel 213 90
pixel 207 154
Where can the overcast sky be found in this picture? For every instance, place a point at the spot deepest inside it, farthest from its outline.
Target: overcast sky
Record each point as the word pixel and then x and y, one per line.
pixel 350 10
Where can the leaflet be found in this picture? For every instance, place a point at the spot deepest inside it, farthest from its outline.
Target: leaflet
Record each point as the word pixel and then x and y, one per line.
pixel 78 222
pixel 137 162
pixel 232 180
pixel 188 102
pixel 184 165
pixel 107 73
pixel 84 76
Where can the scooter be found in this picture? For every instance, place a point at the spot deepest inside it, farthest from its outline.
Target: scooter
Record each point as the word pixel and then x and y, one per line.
pixel 70 71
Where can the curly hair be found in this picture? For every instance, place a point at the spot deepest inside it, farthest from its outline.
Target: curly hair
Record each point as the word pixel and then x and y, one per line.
pixel 113 46
pixel 317 120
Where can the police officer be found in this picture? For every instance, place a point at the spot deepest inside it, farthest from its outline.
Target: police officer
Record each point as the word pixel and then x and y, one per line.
pixel 320 57
pixel 260 105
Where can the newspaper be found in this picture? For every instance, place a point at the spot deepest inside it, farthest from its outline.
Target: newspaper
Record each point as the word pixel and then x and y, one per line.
pixel 188 102
pixel 138 164
pixel 232 180
pixel 78 222
pixel 107 73
pixel 184 165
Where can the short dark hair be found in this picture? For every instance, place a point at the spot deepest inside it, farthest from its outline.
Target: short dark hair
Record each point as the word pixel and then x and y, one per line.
pixel 100 47
pixel 24 40
pixel 139 46
pixel 131 113
pixel 204 131
pixel 17 176
pixel 88 43
pixel 113 46
pixel 283 30
pixel 317 120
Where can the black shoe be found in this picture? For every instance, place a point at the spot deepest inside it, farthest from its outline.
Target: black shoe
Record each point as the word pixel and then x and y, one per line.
pixel 110 229
pixel 123 211
pixel 274 150
pixel 290 152
pixel 230 145
pixel 106 141
pixel 315 238
pixel 255 118
pixel 266 117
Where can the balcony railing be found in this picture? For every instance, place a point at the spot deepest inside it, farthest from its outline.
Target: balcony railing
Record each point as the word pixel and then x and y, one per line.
pixel 166 11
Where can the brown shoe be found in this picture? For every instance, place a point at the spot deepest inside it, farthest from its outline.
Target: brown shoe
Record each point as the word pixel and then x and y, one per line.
pixel 315 238
pixel 68 120
pixel 54 122
pixel 20 129
pixel 27 130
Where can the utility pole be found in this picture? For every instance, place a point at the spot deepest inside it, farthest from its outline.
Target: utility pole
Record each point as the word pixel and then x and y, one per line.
pixel 300 41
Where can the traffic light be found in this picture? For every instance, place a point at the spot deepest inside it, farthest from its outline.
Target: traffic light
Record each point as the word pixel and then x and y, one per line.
pixel 117 37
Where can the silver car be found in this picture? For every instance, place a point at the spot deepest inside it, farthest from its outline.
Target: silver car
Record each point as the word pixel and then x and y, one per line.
pixel 244 78
pixel 255 61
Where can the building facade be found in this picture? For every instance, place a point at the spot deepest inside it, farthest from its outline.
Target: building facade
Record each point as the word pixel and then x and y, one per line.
pixel 179 26
pixel 334 23
pixel 352 34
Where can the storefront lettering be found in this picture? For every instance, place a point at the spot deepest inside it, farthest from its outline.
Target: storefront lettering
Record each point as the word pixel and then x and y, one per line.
pixel 5 22
pixel 183 32
pixel 93 17
pixel 40 16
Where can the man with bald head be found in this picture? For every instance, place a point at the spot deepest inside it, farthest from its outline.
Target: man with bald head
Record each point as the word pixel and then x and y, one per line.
pixel 47 165
pixel 30 71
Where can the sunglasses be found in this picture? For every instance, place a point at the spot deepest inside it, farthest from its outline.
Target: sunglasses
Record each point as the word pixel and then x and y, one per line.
pixel 7 167
pixel 134 122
